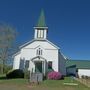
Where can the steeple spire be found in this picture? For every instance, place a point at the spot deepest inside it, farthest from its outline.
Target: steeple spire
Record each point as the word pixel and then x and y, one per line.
pixel 41 29
pixel 41 21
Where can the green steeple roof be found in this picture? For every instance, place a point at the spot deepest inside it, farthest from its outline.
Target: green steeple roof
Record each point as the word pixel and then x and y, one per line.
pixel 41 21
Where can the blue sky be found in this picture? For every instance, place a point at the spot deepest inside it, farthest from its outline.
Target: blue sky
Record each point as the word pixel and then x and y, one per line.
pixel 68 22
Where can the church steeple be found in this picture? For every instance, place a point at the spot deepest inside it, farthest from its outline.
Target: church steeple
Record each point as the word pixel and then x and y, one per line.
pixel 41 21
pixel 41 29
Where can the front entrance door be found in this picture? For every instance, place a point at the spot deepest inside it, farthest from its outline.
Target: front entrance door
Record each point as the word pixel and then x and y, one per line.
pixel 38 66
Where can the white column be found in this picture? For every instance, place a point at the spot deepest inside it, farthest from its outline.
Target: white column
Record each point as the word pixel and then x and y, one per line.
pixel 35 34
pixel 45 34
pixel 45 68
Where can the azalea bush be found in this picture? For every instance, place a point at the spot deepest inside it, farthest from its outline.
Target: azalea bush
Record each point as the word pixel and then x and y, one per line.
pixel 54 75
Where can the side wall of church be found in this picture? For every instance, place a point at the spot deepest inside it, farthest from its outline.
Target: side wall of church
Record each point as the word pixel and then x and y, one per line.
pixel 16 62
pixel 62 61
pixel 52 55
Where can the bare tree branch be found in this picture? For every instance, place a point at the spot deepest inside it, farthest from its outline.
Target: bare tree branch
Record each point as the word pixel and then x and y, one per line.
pixel 7 38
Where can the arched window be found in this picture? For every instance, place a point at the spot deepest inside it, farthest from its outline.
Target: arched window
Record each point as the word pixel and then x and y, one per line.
pixel 39 51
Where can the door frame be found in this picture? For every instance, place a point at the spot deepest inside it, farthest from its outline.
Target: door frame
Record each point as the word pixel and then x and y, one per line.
pixel 41 66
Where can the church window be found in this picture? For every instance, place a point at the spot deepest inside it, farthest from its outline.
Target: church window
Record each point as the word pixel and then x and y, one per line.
pixel 22 64
pixel 39 51
pixel 40 33
pixel 27 64
pixel 49 64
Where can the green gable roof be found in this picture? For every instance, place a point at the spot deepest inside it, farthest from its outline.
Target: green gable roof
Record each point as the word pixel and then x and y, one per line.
pixel 80 64
pixel 41 21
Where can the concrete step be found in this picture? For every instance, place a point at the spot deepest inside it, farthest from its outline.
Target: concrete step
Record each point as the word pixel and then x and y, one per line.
pixel 36 77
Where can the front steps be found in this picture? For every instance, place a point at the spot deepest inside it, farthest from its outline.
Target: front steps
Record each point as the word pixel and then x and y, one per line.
pixel 36 77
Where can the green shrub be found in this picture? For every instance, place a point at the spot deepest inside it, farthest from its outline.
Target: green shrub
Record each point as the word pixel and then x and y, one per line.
pixel 26 74
pixel 15 74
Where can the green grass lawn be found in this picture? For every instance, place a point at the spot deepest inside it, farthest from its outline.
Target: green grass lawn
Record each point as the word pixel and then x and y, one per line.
pixel 59 84
pixel 23 84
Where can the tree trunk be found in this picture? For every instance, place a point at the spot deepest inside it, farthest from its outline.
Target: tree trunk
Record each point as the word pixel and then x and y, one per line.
pixel 2 67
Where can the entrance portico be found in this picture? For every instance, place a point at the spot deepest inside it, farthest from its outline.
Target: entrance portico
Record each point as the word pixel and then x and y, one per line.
pixel 39 65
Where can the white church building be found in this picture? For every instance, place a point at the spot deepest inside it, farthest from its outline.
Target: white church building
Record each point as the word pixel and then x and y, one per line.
pixel 39 54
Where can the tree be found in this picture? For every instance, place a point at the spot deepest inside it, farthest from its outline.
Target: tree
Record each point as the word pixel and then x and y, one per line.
pixel 7 38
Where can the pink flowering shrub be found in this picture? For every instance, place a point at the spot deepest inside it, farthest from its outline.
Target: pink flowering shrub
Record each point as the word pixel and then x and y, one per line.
pixel 54 75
